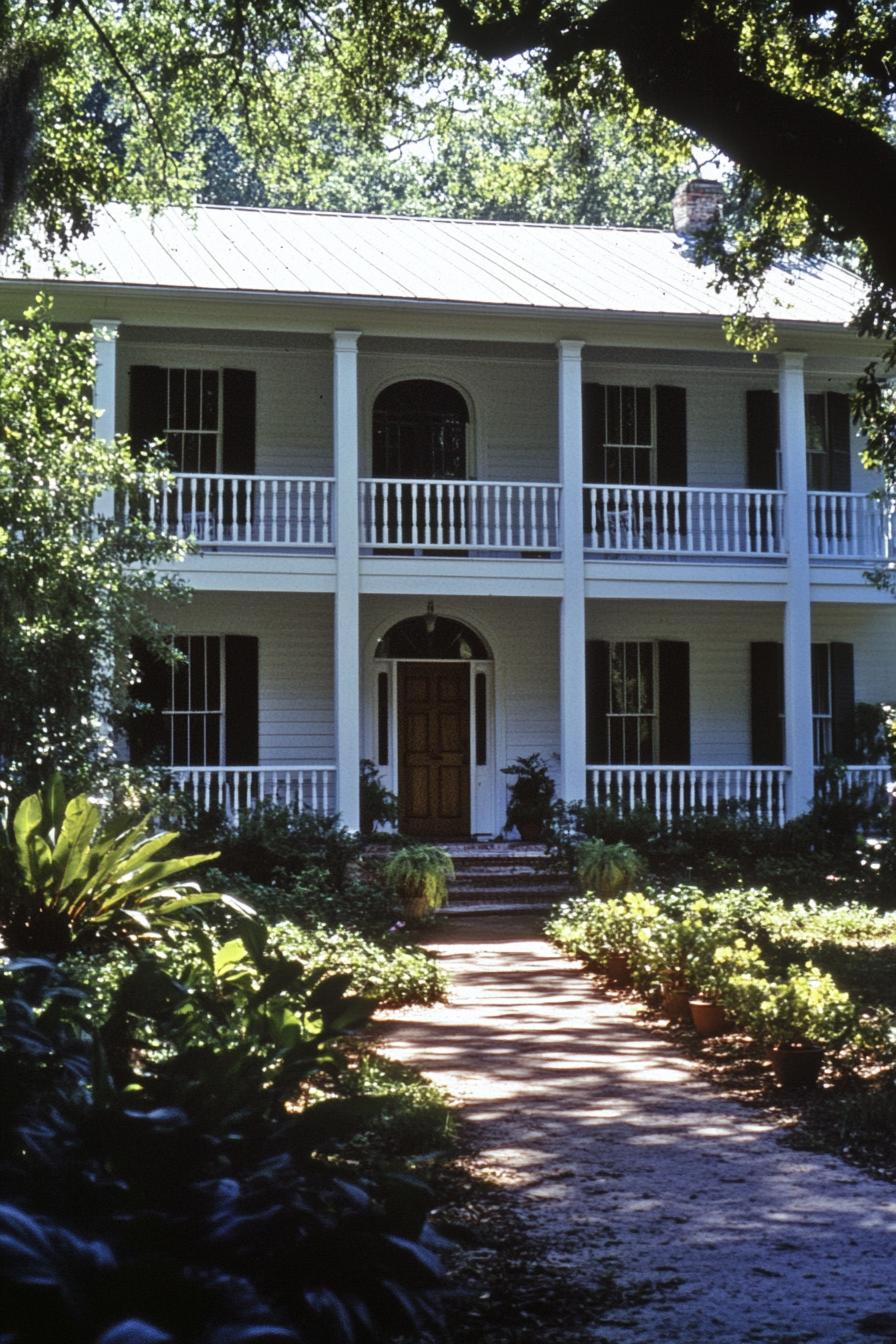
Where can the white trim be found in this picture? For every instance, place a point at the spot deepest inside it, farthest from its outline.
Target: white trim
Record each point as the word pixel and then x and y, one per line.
pixel 345 620
pixel 429 371
pixel 798 719
pixel 572 603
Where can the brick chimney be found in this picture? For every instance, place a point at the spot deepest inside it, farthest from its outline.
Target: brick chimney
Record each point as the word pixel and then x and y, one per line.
pixel 696 205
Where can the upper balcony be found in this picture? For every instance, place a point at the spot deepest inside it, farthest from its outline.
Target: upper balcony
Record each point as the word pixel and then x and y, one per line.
pixel 520 519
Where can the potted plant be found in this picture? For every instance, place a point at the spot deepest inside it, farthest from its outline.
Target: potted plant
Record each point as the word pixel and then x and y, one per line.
pixel 531 802
pixel 715 965
pixel 616 935
pixel 606 869
pixel 798 1019
pixel 420 875
pixel 379 806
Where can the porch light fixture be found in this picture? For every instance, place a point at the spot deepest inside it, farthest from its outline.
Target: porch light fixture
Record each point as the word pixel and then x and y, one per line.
pixel 429 620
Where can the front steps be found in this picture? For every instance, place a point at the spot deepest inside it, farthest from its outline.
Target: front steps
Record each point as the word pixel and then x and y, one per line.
pixel 494 876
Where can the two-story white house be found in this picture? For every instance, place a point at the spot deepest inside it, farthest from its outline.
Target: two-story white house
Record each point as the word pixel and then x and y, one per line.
pixel 463 492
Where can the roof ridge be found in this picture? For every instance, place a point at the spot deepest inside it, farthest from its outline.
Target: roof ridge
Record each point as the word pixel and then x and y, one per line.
pixel 392 217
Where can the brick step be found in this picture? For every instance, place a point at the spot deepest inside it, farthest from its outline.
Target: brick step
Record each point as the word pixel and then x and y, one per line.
pixel 470 877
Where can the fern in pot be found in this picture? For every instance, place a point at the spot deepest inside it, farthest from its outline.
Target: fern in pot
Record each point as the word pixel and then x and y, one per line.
pixel 420 875
pixel 607 870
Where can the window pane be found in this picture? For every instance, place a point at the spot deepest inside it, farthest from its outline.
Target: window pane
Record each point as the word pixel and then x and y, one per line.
pixel 209 399
pixel 627 399
pixel 644 428
pixel 213 672
pixel 645 660
pixel 191 412
pixel 612 404
pixel 175 399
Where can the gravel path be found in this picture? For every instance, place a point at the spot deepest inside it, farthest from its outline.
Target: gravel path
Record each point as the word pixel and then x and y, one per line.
pixel 623 1159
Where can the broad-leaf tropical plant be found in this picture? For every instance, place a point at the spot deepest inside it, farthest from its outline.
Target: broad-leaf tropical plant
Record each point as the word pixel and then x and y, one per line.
pixel 70 873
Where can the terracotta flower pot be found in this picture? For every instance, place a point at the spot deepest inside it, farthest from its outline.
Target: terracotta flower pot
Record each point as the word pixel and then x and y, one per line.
pixel 530 830
pixel 617 969
pixel 675 1004
pixel 797 1065
pixel 708 1017
pixel 415 908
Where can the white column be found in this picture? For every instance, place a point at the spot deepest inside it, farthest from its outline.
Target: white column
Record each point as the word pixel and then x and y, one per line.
pixel 105 346
pixel 798 602
pixel 572 604
pixel 346 662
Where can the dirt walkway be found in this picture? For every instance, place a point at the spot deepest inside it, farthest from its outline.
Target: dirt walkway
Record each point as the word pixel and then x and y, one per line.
pixel 624 1159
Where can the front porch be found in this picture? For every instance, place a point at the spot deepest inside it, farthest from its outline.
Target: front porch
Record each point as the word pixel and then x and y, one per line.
pixel 520 519
pixel 682 708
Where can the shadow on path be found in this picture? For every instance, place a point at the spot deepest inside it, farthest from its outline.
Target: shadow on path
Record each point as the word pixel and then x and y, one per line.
pixel 623 1158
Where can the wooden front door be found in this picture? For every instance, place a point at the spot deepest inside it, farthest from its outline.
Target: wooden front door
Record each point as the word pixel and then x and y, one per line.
pixel 434 749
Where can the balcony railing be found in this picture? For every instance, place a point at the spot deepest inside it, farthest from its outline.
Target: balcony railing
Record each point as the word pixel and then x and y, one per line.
pixel 851 527
pixel 873 783
pixel 490 516
pixel 671 791
pixel 293 512
pixel 683 520
pixel 235 789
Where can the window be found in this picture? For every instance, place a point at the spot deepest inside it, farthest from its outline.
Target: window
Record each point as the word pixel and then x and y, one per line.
pixel 632 713
pixel 628 436
pixel 192 419
pixel 822 701
pixel 194 713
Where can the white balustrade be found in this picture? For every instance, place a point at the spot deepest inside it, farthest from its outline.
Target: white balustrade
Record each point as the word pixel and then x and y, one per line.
pixel 875 784
pixel 670 791
pixel 851 527
pixel 261 511
pixel 460 515
pixel 236 789
pixel 683 520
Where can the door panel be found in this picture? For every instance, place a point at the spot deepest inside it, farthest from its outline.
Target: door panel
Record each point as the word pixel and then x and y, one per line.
pixel 433 749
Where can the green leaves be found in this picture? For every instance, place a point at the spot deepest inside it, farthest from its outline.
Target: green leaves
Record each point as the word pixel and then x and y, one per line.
pixel 73 869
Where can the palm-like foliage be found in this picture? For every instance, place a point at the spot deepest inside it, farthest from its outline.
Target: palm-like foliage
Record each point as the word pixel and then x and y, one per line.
pixel 70 872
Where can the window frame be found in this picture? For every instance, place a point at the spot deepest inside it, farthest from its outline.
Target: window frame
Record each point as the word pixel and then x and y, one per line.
pixel 638 716
pixel 192 714
pixel 619 446
pixel 171 432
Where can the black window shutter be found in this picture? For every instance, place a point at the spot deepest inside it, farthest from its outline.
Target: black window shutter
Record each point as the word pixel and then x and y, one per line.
pixel 241 699
pixel 762 440
pixel 839 441
pixel 767 702
pixel 843 702
pixel 593 399
pixel 148 410
pixel 238 431
pixel 671 436
pixel 146 730
pixel 597 701
pixel 674 657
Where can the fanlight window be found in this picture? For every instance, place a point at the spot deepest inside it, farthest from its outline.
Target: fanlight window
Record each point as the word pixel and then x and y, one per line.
pixel 447 639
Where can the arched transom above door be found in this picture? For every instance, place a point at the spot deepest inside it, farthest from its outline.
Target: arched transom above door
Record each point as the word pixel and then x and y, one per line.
pixel 427 637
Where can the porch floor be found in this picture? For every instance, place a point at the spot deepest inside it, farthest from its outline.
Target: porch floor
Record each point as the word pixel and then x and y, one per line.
pixel 619 1159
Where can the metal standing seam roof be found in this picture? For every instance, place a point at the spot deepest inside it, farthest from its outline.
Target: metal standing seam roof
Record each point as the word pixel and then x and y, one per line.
pixel 231 249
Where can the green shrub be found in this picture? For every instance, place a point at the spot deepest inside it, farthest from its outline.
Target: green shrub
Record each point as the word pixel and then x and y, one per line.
pixel 270 844
pixel 71 874
pixel 607 869
pixel 379 806
pixel 170 1175
pixel 364 902
pixel 391 975
pixel 594 928
pixel 806 1008
pixel 531 800
pixel 419 874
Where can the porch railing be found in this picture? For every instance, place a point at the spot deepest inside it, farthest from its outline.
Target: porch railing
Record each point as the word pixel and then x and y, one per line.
pixel 851 527
pixel 670 791
pixel 460 515
pixel 874 782
pixel 222 510
pixel 239 788
pixel 684 520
